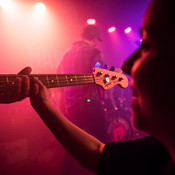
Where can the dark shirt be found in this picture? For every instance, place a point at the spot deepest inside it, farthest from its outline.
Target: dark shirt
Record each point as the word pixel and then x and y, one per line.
pixel 170 170
pixel 80 59
pixel 83 103
pixel 140 157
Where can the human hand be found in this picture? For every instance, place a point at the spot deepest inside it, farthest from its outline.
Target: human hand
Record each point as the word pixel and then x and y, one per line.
pixel 38 93
pixel 18 90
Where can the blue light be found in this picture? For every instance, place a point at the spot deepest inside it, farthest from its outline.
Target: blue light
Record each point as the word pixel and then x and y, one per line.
pixel 97 64
pixel 140 42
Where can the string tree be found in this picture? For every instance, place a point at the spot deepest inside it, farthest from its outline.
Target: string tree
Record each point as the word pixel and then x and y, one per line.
pixel 118 70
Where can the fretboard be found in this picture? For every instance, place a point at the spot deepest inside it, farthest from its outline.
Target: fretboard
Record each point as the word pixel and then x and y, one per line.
pixel 51 80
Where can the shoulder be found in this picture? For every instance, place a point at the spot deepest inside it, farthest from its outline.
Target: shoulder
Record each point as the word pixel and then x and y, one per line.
pixel 146 153
pixel 170 170
pixel 146 146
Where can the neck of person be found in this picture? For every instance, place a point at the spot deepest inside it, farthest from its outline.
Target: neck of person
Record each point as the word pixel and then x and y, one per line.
pixel 90 42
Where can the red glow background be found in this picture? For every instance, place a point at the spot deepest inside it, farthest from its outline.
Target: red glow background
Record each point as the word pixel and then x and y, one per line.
pixel 27 39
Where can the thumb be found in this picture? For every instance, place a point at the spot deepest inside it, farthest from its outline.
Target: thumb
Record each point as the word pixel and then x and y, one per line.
pixel 25 71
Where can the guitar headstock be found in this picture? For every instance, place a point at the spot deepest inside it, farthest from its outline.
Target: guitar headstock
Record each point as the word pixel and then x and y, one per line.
pixel 108 78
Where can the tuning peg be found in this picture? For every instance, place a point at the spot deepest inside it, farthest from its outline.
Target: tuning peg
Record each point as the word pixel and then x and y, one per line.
pixel 112 68
pixel 105 66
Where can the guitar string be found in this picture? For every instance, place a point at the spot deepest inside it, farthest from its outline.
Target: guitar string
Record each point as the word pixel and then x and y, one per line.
pixel 61 82
pixel 59 77
pixel 57 80
pixel 9 76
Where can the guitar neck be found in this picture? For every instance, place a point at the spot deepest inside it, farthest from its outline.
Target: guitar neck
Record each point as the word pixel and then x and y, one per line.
pixel 104 78
pixel 51 80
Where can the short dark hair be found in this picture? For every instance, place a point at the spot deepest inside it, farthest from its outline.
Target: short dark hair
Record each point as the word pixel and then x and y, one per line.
pixel 90 32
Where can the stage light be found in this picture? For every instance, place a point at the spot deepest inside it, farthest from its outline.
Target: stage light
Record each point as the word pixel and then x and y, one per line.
pixel 5 3
pixel 140 42
pixel 97 64
pixel 40 7
pixel 128 30
pixel 111 29
pixel 91 21
pixel 88 100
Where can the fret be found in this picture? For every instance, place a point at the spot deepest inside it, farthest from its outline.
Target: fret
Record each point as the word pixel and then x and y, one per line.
pixel 67 80
pixel 85 77
pixel 12 79
pixel 76 79
pixel 47 81
pixel 72 80
pixel 51 80
pixel 7 79
pixel 61 80
pixel 57 80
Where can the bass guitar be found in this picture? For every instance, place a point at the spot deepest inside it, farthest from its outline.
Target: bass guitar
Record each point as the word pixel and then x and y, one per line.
pixel 105 78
